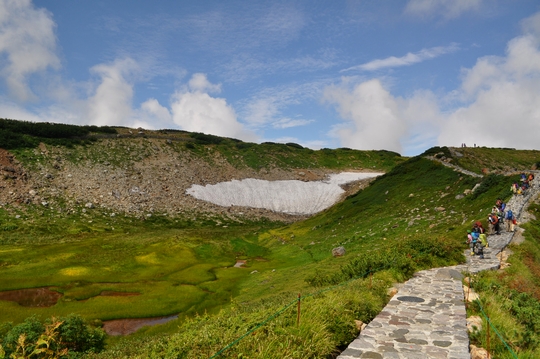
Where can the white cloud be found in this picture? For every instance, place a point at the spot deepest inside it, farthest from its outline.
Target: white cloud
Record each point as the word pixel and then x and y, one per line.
pixel 28 42
pixel 499 99
pixel 448 9
pixel 375 119
pixel 112 102
pixel 407 60
pixel 373 115
pixel 194 110
pixel 289 122
pixel 503 94
pixel 199 82
pixel 265 107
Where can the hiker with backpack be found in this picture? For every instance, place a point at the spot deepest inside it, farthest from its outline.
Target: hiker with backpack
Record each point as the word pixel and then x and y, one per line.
pixel 494 227
pixel 473 239
pixel 509 217
pixel 478 227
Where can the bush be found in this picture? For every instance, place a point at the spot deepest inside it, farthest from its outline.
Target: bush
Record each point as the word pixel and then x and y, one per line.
pixel 205 139
pixel 62 335
pixel 295 145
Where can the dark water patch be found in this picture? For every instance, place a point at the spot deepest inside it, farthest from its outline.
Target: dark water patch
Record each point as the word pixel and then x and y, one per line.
pixel 32 297
pixel 128 326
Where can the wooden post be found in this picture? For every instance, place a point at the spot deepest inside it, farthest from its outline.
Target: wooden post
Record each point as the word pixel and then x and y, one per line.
pixel 488 343
pixel 298 311
pixel 468 293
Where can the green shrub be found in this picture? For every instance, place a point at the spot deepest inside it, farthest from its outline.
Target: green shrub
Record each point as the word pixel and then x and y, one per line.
pixel 295 145
pixel 71 334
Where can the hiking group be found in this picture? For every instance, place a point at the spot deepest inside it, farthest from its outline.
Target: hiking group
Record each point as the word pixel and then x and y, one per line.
pixel 500 215
pixel 526 183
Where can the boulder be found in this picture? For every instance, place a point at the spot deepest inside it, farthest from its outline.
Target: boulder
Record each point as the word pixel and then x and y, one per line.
pixel 360 325
pixel 479 353
pixel 474 324
pixel 338 251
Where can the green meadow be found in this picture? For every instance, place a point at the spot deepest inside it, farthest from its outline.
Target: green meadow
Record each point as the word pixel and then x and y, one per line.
pixel 413 217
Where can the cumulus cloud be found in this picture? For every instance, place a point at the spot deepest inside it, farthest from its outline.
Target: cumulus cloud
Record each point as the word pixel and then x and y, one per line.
pixel 407 60
pixel 28 44
pixel 375 119
pixel 111 103
pixel 195 110
pixel 497 106
pixel 448 9
pixel 373 115
pixel 502 96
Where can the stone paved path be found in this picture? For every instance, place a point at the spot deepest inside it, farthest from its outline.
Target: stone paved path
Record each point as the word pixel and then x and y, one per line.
pixel 427 317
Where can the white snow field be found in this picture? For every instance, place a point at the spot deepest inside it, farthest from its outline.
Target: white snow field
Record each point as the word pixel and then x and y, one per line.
pixel 292 197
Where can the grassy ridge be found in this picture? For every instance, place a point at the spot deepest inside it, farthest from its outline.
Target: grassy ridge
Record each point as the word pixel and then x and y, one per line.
pixel 366 225
pixel 183 266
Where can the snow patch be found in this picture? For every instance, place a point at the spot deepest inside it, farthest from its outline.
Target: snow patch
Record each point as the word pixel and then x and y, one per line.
pixel 292 196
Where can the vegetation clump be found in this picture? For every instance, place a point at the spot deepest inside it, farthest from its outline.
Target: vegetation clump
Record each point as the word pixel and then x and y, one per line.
pixel 22 134
pixel 64 337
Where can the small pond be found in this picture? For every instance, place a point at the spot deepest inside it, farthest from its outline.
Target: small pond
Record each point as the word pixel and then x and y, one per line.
pixel 128 326
pixel 32 297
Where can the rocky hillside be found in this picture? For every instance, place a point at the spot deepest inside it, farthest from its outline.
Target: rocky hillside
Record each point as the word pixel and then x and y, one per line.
pixel 140 172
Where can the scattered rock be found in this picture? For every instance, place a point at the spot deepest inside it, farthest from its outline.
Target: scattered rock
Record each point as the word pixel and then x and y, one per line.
pixel 479 353
pixel 474 324
pixel 255 271
pixel 338 251
pixel 440 209
pixel 470 294
pixel 360 325
pixel 89 205
pixel 460 196
pixel 411 195
pixel 392 291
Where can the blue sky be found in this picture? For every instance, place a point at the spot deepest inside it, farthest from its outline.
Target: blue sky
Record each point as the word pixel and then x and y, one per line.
pixel 396 75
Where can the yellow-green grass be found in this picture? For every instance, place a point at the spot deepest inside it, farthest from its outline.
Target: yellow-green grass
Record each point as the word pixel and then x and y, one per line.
pixel 172 274
pixel 190 269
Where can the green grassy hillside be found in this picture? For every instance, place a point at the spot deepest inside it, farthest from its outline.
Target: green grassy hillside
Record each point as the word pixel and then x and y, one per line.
pixel 413 217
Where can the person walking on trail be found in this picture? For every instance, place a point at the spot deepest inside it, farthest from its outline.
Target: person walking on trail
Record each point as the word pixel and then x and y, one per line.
pixel 473 239
pixel 478 227
pixel 509 220
pixel 494 227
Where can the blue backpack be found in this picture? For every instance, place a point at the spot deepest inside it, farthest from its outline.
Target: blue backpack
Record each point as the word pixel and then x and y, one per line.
pixel 509 214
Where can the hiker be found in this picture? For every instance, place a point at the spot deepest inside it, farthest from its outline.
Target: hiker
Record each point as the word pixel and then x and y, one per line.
pixel 493 220
pixel 530 179
pixel 514 188
pixel 473 239
pixel 483 239
pixel 470 242
pixel 500 205
pixel 477 227
pixel 509 220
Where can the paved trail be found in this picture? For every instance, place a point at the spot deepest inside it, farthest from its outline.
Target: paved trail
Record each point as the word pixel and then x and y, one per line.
pixel 427 317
